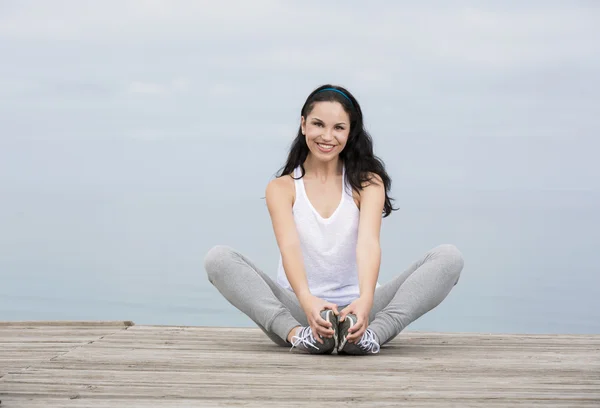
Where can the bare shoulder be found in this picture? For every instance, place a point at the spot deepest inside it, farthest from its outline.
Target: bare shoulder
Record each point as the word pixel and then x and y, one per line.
pixel 281 189
pixel 279 195
pixel 374 180
pixel 373 187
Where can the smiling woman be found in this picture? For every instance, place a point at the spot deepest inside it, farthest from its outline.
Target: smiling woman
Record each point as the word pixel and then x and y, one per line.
pixel 326 206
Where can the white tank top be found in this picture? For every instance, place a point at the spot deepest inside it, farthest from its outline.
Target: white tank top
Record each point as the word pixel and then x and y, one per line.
pixel 328 246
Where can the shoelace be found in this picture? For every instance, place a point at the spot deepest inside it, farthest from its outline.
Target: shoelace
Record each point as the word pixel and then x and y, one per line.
pixel 305 337
pixel 368 342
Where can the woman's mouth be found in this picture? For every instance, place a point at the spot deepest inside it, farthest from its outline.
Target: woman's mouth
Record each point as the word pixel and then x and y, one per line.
pixel 325 148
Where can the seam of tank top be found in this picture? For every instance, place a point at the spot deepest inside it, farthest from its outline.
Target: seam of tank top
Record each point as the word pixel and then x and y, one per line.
pixel 351 197
pixel 300 186
pixel 297 188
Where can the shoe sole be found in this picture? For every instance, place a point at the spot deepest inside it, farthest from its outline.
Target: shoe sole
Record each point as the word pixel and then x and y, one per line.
pixel 348 322
pixel 332 318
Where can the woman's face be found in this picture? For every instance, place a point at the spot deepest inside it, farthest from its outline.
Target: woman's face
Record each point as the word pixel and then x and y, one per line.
pixel 326 129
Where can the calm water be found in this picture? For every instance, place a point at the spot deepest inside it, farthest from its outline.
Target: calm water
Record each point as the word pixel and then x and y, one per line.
pixel 83 242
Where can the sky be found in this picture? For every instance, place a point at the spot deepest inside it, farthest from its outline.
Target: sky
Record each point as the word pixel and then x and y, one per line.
pixel 500 94
pixel 135 134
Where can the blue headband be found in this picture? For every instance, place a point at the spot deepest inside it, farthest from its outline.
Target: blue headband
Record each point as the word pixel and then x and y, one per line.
pixel 338 91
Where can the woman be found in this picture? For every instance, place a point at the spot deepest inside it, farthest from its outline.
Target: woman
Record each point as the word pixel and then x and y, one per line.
pixel 326 207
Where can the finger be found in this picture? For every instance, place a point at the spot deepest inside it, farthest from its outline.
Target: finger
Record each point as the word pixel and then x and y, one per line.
pixel 323 327
pixel 316 334
pixel 357 332
pixel 326 333
pixel 322 322
pixel 331 306
pixel 335 309
pixel 325 330
pixel 356 326
pixel 322 331
pixel 355 338
pixel 344 313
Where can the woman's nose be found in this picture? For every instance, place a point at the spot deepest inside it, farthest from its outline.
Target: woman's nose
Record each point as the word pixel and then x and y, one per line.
pixel 327 136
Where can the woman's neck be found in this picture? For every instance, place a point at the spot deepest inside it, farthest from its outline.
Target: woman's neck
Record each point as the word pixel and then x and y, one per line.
pixel 322 170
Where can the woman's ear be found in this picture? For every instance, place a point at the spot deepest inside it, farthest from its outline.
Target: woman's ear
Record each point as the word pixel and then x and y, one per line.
pixel 303 125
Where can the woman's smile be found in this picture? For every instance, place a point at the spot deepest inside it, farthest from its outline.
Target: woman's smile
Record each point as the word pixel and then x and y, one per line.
pixel 325 148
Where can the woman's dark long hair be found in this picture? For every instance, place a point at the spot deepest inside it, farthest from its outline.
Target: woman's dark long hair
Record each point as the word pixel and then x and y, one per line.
pixel 357 155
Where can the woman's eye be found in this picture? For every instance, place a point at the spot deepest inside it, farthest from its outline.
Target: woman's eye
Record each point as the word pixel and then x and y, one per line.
pixel 339 128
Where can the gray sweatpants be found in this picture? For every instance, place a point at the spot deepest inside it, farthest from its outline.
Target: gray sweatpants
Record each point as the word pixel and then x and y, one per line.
pixel 277 311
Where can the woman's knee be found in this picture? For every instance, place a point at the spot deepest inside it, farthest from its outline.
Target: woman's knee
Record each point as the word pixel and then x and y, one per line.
pixel 452 258
pixel 216 259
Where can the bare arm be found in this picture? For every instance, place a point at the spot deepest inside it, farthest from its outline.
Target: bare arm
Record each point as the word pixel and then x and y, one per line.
pixel 279 202
pixel 368 250
pixel 368 256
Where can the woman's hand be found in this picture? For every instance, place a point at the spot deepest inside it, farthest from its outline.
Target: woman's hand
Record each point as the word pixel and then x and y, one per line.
pixel 312 307
pixel 361 307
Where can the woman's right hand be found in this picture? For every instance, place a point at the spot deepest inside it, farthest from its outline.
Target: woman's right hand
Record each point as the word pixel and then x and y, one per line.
pixel 312 307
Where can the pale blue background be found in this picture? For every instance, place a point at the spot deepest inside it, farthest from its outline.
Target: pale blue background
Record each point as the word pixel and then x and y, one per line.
pixel 135 135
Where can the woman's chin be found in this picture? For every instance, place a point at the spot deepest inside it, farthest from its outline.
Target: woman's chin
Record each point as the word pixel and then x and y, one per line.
pixel 324 156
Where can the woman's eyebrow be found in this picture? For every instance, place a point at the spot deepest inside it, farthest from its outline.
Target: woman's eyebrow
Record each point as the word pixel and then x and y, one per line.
pixel 341 123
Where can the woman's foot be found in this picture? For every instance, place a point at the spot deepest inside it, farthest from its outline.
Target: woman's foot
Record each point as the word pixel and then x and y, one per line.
pixel 304 340
pixel 368 343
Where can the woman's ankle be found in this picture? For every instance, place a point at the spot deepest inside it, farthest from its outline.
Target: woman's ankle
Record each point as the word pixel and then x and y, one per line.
pixel 292 333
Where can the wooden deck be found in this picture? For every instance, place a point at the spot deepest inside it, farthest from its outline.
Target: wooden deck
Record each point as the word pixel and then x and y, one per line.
pixel 118 364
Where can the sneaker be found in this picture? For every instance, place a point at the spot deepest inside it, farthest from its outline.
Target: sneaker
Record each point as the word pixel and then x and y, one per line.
pixel 368 343
pixel 304 339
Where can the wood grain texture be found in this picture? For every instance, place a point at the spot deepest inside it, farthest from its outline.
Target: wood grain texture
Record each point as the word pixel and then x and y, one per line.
pixel 23 344
pixel 144 366
pixel 67 323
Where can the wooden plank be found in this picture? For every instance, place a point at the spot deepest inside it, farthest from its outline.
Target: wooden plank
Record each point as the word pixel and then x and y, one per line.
pixel 322 388
pixel 68 323
pixel 190 366
pixel 23 344
pixel 78 402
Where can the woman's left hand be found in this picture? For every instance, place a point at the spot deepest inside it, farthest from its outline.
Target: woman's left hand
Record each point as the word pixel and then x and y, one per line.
pixel 361 307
